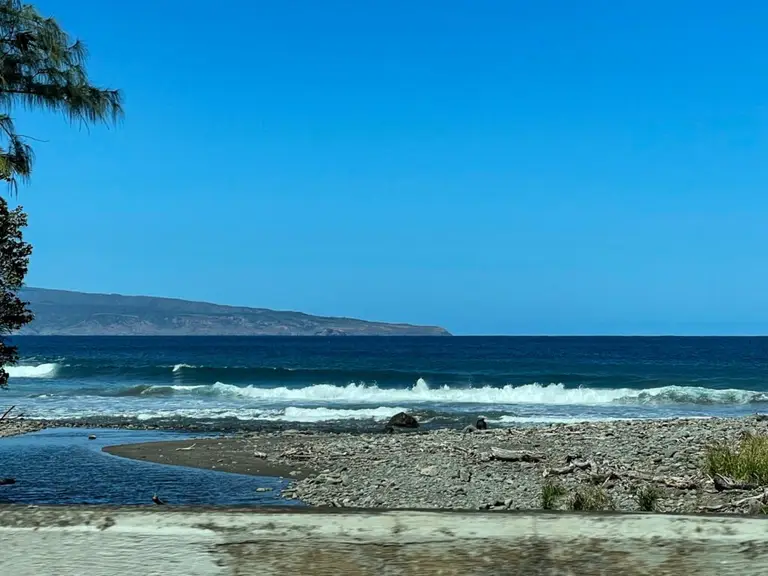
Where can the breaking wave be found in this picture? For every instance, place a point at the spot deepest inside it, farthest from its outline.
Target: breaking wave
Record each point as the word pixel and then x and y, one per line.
pixel 422 393
pixel 47 370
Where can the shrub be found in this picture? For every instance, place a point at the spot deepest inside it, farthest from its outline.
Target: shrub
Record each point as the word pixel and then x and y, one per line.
pixel 647 496
pixel 746 462
pixel 591 499
pixel 550 494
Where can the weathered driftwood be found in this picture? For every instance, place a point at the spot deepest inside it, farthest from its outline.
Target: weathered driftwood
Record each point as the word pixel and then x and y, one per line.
pixel 168 541
pixel 759 499
pixel 186 448
pixel 677 482
pixel 572 467
pixel 723 483
pixel 515 455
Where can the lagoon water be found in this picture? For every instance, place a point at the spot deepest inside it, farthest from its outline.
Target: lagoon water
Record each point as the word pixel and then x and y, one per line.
pixel 62 466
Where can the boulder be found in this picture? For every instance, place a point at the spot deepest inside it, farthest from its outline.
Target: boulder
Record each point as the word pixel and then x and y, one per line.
pixel 400 421
pixel 481 423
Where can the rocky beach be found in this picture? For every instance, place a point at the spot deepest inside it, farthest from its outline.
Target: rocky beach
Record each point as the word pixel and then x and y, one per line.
pixel 15 426
pixel 633 465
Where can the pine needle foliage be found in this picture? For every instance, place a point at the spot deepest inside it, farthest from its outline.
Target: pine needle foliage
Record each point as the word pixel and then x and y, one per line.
pixel 43 68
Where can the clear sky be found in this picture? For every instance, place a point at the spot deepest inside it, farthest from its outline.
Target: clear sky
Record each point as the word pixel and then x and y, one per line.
pixel 501 167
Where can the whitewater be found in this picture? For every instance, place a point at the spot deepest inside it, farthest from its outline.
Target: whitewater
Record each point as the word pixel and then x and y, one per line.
pixel 444 381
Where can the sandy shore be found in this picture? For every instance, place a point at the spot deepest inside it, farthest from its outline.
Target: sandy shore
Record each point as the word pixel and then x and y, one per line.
pixel 222 454
pixel 452 469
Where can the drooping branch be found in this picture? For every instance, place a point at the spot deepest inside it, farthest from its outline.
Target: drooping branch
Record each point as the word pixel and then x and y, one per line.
pixel 42 67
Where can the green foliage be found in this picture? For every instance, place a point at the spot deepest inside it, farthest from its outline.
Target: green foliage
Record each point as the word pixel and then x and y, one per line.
pixel 550 494
pixel 647 496
pixel 591 499
pixel 745 462
pixel 14 260
pixel 41 67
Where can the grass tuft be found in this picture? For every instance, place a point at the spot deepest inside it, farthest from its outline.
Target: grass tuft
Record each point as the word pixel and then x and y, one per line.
pixel 746 462
pixel 550 494
pixel 591 499
pixel 647 496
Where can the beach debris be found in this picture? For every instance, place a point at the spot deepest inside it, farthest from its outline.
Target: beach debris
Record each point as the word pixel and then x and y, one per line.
pixel 482 423
pixel 724 483
pixel 262 455
pixel 156 500
pixel 755 503
pixel 515 455
pixel 296 454
pixel 328 479
pixel 187 448
pixel 430 471
pixel 7 412
pixel 91 436
pixel 469 429
pixel 7 481
pixel 677 482
pixel 571 467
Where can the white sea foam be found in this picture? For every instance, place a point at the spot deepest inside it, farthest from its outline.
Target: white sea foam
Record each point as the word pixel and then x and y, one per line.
pixel 175 388
pixel 40 371
pixel 289 414
pixel 553 394
pixel 180 367
pixel 293 414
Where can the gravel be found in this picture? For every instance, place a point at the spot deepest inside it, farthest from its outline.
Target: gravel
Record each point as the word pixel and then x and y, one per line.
pixel 457 470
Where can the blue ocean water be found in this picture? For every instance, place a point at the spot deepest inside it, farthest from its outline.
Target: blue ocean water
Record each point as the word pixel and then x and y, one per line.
pixel 510 380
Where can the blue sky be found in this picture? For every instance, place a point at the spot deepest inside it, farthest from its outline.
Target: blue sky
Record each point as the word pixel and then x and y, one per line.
pixel 495 167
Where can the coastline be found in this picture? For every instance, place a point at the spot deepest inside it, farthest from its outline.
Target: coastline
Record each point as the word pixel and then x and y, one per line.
pixel 15 426
pixel 456 470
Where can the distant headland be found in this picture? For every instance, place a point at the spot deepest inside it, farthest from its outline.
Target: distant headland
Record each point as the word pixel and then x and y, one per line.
pixel 65 313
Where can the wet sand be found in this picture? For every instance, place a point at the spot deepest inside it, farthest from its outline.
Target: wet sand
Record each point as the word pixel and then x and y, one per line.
pixel 222 454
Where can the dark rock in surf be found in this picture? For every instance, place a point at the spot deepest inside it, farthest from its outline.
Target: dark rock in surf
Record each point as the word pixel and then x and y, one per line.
pixel 401 421
pixel 481 423
pixel 7 481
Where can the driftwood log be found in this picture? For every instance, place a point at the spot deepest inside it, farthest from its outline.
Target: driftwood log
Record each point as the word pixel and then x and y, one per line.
pixel 515 455
pixel 571 467
pixel 723 483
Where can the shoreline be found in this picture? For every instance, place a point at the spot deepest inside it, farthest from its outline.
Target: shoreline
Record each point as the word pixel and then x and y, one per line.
pixel 15 426
pixel 224 454
pixel 456 470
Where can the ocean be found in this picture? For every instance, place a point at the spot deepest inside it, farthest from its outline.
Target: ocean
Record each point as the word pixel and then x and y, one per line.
pixel 245 381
